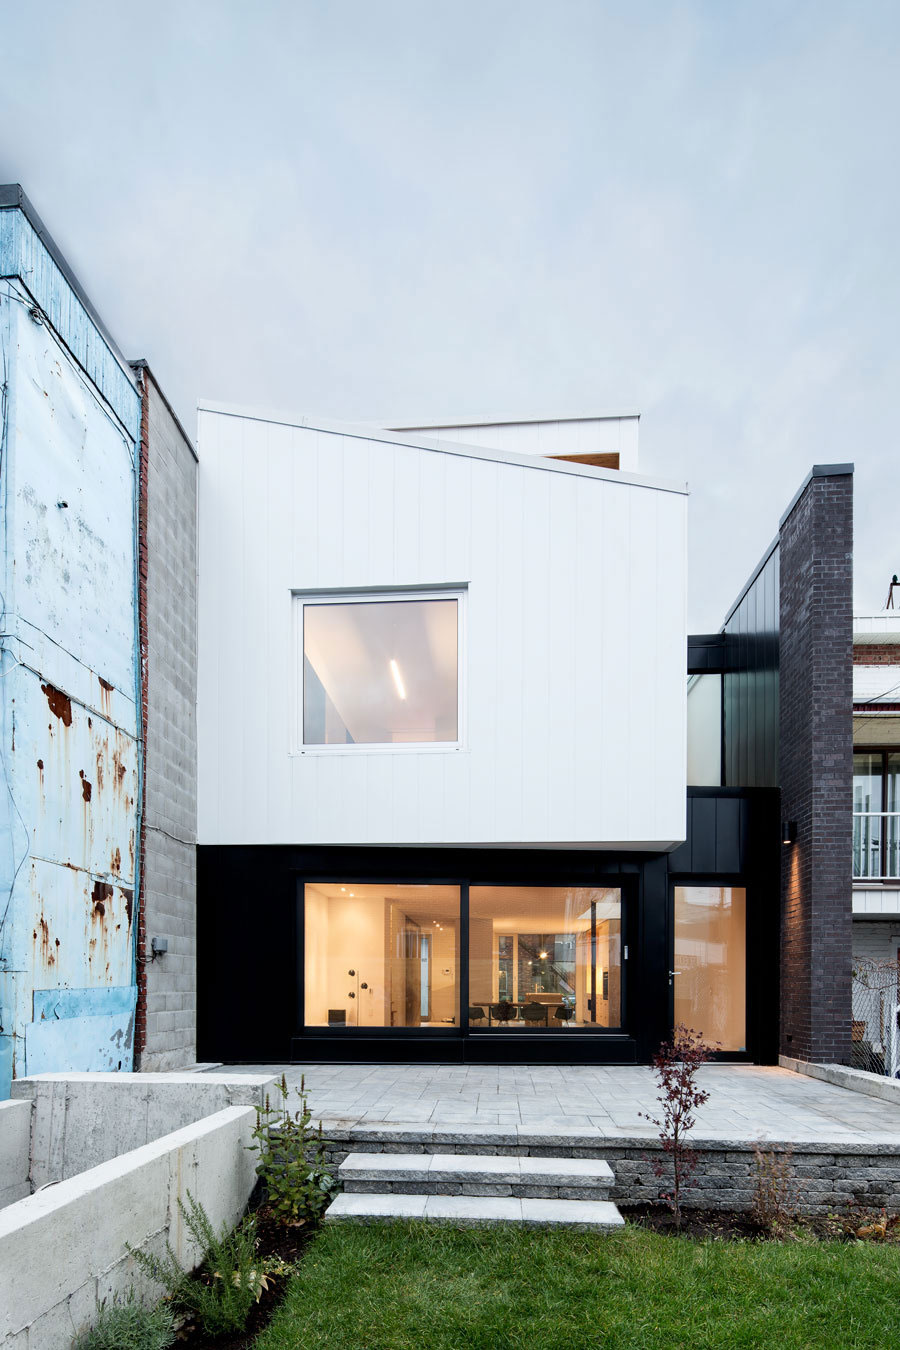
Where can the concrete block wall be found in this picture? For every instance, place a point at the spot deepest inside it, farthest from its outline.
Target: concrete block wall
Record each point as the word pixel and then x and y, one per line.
pixel 816 765
pixel 66 1248
pixel 168 1036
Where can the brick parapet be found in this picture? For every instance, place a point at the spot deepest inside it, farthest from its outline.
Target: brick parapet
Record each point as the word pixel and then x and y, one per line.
pixel 816 740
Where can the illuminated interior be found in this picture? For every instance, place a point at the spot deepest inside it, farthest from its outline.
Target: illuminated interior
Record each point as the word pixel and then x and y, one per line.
pixel 710 980
pixel 381 672
pixel 540 957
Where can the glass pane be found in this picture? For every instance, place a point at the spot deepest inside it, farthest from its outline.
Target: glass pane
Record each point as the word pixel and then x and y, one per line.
pixel 704 731
pixel 867 782
pixel 545 957
pixel 380 673
pixel 710 963
pixel 381 956
pixel 893 781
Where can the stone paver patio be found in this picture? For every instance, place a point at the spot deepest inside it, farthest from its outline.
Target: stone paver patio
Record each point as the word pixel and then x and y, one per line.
pixel 746 1102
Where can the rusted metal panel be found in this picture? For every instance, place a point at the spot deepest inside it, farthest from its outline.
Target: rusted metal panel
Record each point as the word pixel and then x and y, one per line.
pixel 69 725
pixel 72 1027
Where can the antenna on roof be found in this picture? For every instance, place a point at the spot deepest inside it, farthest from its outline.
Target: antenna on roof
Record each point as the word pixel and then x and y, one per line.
pixel 894 586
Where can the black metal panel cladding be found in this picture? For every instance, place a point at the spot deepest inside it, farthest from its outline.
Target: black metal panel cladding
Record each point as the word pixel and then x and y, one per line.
pixel 750 684
pixel 250 974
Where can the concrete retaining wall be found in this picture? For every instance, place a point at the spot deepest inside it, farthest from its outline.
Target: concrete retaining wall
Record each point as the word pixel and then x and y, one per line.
pixel 827 1176
pixel 64 1248
pixel 82 1119
pixel 15 1138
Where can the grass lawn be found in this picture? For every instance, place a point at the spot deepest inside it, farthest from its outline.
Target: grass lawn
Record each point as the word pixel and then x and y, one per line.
pixel 435 1288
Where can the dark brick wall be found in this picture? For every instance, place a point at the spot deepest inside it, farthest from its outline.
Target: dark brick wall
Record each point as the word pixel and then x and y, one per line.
pixel 816 746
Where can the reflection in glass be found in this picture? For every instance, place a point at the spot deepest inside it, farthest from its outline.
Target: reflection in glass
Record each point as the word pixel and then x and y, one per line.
pixel 381 956
pixel 545 957
pixel 704 730
pixel 380 672
pixel 710 963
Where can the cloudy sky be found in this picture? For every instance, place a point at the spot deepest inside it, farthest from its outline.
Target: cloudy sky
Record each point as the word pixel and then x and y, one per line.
pixel 436 209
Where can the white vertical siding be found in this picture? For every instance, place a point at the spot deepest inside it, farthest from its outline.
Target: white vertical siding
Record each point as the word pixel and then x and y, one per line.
pixel 565 436
pixel 574 667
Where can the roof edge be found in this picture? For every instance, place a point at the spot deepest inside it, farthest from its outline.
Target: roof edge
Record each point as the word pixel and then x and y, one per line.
pixel 368 433
pixel 13 197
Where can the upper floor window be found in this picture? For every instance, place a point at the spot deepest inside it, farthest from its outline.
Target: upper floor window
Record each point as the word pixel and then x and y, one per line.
pixel 381 670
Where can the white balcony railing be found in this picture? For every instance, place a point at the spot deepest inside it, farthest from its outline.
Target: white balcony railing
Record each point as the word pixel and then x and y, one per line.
pixel 876 845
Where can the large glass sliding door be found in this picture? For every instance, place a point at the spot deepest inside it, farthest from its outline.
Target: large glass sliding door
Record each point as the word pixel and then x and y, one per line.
pixel 545 957
pixel 381 955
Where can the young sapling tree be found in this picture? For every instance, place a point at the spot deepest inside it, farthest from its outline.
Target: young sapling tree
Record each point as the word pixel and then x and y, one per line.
pixel 680 1095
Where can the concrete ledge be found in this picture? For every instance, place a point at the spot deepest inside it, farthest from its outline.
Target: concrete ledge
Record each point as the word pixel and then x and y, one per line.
pixel 840 1075
pixel 81 1119
pixel 15 1141
pixel 64 1248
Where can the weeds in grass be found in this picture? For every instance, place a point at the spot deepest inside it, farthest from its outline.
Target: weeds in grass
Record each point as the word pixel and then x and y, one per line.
pixel 775 1190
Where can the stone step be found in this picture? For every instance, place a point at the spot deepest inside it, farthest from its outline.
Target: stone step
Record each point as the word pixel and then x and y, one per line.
pixel 467 1174
pixel 469 1211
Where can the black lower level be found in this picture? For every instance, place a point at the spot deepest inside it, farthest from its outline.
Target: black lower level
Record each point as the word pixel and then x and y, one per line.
pixel 250 939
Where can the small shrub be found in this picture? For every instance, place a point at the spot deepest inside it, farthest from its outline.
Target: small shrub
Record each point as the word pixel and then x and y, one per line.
pixel 775 1190
pixel 676 1063
pixel 291 1166
pixel 128 1325
pixel 229 1280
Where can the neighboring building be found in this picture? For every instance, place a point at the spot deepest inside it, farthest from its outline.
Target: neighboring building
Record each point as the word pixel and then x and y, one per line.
pixel 876 786
pixel 167 1022
pixel 74 518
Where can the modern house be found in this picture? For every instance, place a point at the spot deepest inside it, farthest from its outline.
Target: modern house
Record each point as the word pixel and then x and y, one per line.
pixel 97 530
pixel 443 812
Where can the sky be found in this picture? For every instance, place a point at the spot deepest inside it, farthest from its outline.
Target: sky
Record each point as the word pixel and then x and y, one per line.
pixel 440 210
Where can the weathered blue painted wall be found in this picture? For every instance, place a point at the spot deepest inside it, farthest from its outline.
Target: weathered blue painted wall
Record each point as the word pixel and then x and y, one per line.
pixel 69 717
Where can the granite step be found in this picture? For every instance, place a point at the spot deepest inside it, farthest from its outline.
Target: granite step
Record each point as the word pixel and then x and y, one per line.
pixel 471 1211
pixel 484 1175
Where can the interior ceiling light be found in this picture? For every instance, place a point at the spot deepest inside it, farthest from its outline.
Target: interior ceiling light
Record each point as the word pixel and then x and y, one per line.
pixel 543 956
pixel 398 681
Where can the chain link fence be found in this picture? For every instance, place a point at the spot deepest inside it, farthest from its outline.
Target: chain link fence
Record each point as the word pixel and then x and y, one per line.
pixel 876 1002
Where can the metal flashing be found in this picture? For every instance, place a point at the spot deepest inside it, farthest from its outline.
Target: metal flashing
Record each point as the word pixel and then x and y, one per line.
pixel 817 471
pixel 13 197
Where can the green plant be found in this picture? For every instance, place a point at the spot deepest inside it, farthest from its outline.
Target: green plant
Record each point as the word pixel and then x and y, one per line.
pixel 298 1184
pixel 126 1324
pixel 775 1190
pixel 229 1280
pixel 676 1063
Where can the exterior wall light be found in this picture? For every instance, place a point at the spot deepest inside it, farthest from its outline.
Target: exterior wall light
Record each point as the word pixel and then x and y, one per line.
pixel 789 831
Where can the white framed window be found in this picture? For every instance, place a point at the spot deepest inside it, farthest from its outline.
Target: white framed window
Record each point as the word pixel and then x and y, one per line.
pixel 379 670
